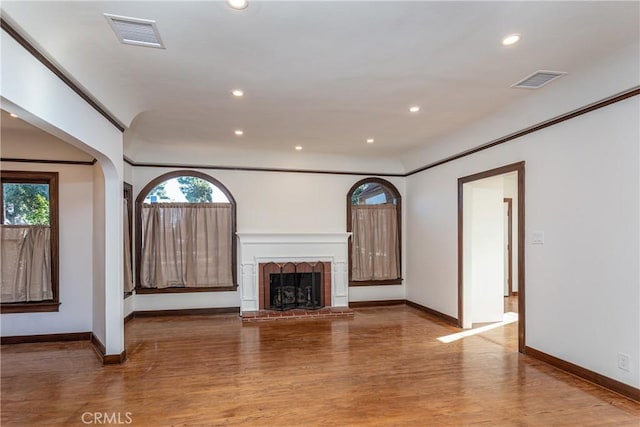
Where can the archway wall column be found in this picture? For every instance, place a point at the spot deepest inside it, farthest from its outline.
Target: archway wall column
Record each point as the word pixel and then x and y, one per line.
pixel 39 97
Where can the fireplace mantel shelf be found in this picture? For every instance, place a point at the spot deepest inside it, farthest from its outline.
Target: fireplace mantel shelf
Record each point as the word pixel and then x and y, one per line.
pixel 325 233
pixel 293 237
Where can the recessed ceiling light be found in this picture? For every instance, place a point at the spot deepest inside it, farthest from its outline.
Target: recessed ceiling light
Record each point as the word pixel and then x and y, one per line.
pixel 298 147
pixel 237 92
pixel 511 39
pixel 239 132
pixel 238 4
pixel 414 109
pixel 370 141
pixel 15 116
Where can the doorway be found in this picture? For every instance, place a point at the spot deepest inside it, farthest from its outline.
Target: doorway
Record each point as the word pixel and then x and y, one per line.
pixel 508 246
pixel 481 247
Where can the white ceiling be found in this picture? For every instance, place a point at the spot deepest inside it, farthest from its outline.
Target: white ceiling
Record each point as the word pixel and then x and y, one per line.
pixel 324 75
pixel 16 134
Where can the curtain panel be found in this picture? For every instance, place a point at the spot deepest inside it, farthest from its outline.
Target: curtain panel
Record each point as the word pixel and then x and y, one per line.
pixel 186 245
pixel 128 273
pixel 375 254
pixel 25 259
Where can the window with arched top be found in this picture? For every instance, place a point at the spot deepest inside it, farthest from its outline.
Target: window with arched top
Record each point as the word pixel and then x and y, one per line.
pixel 374 218
pixel 185 235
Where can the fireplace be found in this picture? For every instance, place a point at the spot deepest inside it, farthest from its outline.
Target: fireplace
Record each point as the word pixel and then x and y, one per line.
pixel 291 285
pixel 326 251
pixel 295 290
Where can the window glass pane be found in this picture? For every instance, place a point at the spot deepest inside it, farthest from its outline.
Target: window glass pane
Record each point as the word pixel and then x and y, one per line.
pixel 186 189
pixel 26 204
pixel 372 193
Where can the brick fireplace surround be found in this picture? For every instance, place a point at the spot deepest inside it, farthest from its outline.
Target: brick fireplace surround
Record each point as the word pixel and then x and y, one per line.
pixel 263 284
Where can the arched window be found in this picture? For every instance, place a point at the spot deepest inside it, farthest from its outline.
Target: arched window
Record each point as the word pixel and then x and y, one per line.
pixel 373 218
pixel 185 235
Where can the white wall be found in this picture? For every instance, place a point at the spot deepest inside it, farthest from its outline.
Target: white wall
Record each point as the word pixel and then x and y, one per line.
pixel 75 253
pixel 16 135
pixel 128 306
pixel 127 172
pixel 583 191
pixel 178 301
pixel 274 202
pixel 483 251
pixel 99 327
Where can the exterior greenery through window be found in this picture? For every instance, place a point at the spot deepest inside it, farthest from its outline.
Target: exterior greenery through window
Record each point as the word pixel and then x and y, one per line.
pixel 29 234
pixel 185 235
pixel 25 204
pixel 374 218
pixel 183 189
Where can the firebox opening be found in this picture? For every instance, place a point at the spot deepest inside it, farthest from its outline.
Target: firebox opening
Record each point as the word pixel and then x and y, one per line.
pixel 295 290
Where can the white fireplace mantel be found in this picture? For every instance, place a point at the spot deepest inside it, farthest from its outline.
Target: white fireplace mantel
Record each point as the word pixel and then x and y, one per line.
pixel 256 248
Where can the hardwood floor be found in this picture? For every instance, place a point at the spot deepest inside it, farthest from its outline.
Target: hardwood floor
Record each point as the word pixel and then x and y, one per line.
pixel 384 366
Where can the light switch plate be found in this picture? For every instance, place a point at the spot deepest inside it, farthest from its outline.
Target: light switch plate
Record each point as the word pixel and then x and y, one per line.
pixel 623 361
pixel 537 238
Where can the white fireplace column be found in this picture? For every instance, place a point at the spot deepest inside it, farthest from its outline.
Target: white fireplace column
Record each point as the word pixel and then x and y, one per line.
pixel 257 248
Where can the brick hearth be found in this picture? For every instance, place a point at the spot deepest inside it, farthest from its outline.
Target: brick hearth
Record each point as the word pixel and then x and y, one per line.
pixel 262 315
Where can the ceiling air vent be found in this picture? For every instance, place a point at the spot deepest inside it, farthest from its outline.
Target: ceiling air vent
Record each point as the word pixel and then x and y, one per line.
pixel 538 79
pixel 139 32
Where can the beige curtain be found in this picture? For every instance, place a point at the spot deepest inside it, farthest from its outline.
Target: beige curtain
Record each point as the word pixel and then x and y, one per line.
pixel 128 274
pixel 26 263
pixel 186 245
pixel 375 253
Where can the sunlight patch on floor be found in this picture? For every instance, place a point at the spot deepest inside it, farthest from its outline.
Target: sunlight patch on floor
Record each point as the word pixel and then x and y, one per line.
pixel 508 318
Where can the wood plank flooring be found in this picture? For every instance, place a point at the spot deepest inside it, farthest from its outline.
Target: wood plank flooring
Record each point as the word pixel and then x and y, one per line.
pixel 383 367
